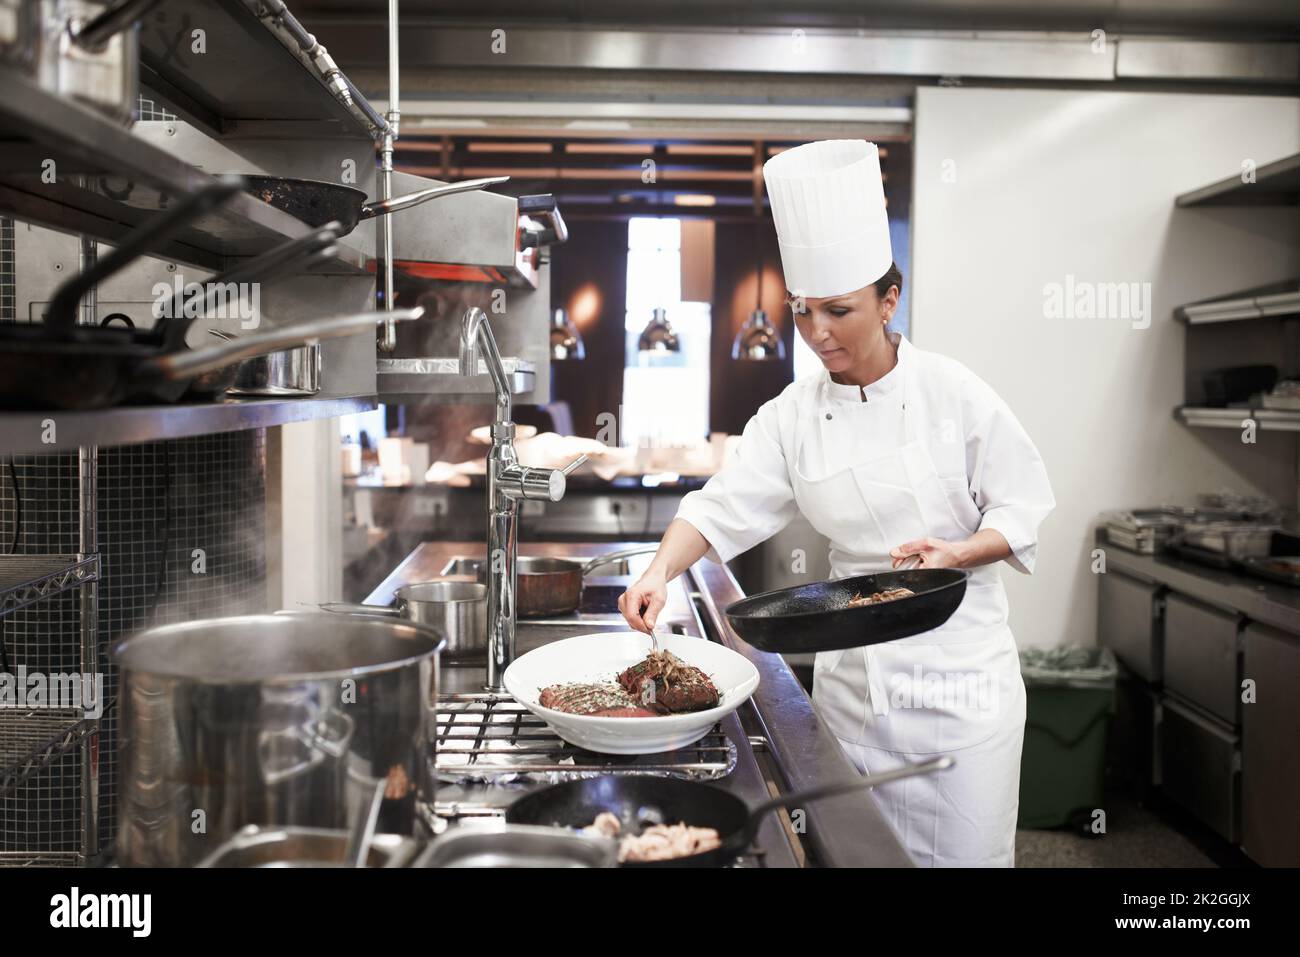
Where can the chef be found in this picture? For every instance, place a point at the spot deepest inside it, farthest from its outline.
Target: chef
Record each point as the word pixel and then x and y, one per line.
pixel 897 455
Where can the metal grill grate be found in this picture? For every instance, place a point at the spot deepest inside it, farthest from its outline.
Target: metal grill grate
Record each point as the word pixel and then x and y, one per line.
pixel 484 735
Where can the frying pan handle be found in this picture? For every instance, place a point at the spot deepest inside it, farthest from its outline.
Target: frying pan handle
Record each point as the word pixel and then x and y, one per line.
pixel 407 200
pixel 188 363
pixel 286 257
pixel 618 556
pixel 348 608
pixel 796 798
pixel 61 317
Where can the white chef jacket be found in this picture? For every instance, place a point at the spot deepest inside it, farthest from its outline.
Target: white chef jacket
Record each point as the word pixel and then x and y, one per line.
pixel 970 466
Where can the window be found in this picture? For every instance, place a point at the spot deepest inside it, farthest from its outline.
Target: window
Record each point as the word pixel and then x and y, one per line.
pixel 665 395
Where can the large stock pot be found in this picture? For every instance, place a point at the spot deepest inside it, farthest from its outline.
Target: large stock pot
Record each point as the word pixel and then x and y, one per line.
pixel 276 720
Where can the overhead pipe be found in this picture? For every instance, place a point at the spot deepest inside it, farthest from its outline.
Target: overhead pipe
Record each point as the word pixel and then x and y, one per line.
pixel 388 331
pixel 335 80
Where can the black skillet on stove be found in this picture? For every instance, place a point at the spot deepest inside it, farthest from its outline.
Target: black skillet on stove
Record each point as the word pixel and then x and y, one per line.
pixel 817 617
pixel 639 801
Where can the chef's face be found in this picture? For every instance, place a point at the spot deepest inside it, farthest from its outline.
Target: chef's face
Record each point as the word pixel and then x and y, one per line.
pixel 844 330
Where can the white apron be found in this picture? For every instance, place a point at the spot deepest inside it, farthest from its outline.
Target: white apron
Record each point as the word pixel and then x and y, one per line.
pixel 955 689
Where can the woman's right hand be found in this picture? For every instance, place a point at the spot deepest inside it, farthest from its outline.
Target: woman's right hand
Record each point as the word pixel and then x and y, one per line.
pixel 643 601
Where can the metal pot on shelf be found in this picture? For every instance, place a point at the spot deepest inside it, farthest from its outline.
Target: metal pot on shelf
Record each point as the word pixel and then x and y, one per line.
pixel 286 720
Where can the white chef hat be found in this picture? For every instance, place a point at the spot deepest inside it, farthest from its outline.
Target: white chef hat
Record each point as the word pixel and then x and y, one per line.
pixel 828 202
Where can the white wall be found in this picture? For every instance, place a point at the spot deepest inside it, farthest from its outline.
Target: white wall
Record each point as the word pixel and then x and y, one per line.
pixel 1051 183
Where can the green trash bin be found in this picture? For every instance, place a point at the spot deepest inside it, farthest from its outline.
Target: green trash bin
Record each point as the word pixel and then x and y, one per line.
pixel 1070 698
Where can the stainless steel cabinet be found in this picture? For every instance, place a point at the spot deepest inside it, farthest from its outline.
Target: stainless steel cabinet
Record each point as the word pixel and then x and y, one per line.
pixel 1129 623
pixel 1200 764
pixel 1202 655
pixel 1270 773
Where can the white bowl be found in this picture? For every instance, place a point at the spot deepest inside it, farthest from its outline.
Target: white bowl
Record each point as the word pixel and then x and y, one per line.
pixel 600 658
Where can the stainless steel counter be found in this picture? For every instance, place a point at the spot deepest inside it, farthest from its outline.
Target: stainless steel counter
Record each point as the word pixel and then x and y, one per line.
pixel 781 743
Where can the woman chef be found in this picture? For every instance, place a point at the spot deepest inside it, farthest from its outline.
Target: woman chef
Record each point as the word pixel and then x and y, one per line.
pixel 890 452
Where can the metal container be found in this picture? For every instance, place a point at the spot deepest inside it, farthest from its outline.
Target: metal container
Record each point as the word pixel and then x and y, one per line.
pixel 287 373
pixel 88 50
pixel 277 720
pixel 456 610
pixel 497 844
pixel 1233 539
pixel 257 846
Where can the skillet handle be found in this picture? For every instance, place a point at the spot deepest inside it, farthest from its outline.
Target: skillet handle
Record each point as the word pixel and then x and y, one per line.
pixel 407 200
pixel 294 254
pixel 796 798
pixel 61 314
pixel 189 363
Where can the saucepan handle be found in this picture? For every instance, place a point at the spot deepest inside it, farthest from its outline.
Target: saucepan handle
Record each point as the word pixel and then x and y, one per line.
pixel 647 549
pixel 348 608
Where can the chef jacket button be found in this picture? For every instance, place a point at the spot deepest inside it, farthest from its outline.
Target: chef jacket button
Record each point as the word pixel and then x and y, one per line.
pixel 828 416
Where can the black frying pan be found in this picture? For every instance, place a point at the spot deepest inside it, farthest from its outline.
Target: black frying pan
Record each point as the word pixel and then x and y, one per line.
pixel 817 617
pixel 638 801
pixel 316 202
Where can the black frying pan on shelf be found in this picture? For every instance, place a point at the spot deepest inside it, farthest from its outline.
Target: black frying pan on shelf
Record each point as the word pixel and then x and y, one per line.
pixel 641 800
pixel 818 617
pixel 316 202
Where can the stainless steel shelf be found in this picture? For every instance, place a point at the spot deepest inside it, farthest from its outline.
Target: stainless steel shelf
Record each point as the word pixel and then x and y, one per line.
pixel 21 432
pixel 1279 300
pixel 1276 184
pixel 252 69
pixel 26 579
pixel 439 378
pixel 107 181
pixel 1268 420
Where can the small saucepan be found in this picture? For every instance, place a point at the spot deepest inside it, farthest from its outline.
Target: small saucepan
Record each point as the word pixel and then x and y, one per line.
pixel 553 586
pixel 458 610
pixel 639 801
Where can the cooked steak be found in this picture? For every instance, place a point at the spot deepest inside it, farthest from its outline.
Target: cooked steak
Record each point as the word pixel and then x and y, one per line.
pixel 665 680
pixel 602 700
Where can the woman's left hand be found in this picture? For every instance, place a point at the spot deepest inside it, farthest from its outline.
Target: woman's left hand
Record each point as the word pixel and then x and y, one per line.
pixel 934 552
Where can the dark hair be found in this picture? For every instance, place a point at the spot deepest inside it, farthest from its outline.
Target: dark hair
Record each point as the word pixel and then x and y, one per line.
pixel 892 277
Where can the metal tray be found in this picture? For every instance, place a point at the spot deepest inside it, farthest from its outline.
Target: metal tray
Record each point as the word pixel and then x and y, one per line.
pixel 255 846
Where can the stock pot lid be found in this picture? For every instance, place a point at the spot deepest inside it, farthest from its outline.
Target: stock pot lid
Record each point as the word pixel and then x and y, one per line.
pixel 283 647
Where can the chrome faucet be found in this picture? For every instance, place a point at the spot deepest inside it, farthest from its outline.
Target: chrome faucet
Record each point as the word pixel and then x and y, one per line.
pixel 507 483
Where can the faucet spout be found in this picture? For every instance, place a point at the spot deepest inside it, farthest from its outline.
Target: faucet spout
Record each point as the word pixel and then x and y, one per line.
pixel 477 340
